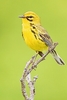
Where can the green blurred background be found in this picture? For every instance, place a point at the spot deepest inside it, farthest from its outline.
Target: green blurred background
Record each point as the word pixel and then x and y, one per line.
pixel 14 53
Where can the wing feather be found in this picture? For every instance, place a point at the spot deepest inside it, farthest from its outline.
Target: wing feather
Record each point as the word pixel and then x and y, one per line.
pixel 43 35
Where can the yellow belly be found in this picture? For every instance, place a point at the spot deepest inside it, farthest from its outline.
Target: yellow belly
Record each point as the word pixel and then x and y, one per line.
pixel 32 42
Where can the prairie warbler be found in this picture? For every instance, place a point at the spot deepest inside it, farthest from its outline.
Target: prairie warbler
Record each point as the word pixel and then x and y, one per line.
pixel 35 36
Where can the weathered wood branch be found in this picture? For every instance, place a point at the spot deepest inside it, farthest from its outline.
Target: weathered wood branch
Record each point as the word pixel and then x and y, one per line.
pixel 30 65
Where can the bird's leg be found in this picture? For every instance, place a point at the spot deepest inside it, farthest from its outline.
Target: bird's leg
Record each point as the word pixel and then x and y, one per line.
pixel 40 53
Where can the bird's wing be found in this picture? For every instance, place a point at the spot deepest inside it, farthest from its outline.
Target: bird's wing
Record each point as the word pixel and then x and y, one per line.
pixel 43 35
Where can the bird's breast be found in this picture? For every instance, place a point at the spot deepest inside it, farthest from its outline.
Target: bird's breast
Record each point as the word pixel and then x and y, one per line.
pixel 32 40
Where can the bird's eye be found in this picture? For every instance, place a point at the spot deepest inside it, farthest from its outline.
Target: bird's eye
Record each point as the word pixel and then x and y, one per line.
pixel 30 18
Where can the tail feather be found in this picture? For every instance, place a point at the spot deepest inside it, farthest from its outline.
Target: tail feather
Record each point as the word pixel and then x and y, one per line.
pixel 57 57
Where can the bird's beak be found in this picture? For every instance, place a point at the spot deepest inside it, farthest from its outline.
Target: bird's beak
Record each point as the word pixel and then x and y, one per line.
pixel 22 16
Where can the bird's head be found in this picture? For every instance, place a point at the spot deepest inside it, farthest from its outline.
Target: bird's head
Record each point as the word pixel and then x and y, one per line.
pixel 30 17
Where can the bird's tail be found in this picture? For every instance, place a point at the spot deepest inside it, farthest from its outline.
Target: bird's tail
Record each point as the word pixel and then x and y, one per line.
pixel 57 57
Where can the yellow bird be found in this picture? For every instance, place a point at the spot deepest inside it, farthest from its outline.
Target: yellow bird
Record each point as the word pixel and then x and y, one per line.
pixel 35 36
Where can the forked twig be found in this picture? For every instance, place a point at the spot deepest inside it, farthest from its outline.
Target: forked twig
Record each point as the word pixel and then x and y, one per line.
pixel 30 65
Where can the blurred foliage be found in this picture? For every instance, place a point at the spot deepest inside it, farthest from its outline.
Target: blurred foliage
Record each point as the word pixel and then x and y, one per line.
pixel 52 81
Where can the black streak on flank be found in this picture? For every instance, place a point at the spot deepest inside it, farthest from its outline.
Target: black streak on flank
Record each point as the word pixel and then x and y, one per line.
pixel 34 33
pixel 34 27
pixel 41 40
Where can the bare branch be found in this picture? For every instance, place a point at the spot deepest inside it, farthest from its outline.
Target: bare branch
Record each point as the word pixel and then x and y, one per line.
pixel 32 64
pixel 41 59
